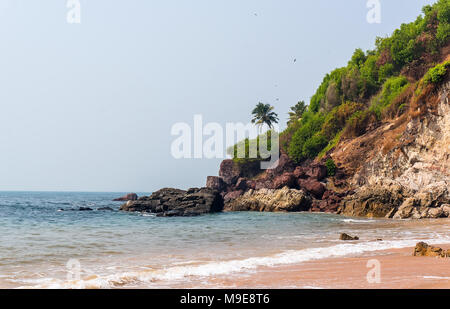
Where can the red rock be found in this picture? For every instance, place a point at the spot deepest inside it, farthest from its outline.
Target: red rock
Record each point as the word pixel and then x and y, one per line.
pixel 281 166
pixel 317 171
pixel 229 171
pixel 285 180
pixel 241 184
pixel 300 172
pixel 230 196
pixel 215 183
pixel 312 186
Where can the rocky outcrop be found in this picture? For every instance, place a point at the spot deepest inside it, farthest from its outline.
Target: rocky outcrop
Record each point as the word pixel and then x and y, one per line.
pixel 423 249
pixel 282 200
pixel 345 236
pixel 105 209
pixel 380 200
pixel 403 168
pixel 128 197
pixel 231 171
pixel 215 183
pixel 175 202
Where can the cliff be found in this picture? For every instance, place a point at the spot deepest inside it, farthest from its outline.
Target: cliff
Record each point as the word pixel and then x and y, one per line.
pixel 374 139
pixel 400 169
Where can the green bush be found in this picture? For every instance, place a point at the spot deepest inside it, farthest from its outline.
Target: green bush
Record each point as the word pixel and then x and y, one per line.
pixel 310 126
pixel 436 74
pixel 385 72
pixel 313 146
pixel 392 88
pixel 246 143
pixel 366 74
pixel 357 124
pixel 331 167
pixel 443 16
pixel 336 119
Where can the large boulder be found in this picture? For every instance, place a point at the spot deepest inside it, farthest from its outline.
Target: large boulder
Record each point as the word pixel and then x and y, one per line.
pixel 128 197
pixel 429 202
pixel 316 171
pixel 312 186
pixel 281 166
pixel 423 249
pixel 330 202
pixel 270 200
pixel 231 196
pixel 345 236
pixel 285 180
pixel 378 200
pixel 231 171
pixel 175 202
pixel 215 183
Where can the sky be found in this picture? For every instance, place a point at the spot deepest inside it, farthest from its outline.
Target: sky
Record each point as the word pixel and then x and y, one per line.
pixel 90 106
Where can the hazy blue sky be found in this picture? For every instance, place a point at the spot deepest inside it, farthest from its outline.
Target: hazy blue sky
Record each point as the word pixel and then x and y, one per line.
pixel 89 106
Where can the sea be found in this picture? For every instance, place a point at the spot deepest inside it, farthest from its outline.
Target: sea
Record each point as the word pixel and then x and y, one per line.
pixel 47 242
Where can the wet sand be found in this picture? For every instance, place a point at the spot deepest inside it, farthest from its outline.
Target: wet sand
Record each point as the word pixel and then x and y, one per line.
pixel 398 270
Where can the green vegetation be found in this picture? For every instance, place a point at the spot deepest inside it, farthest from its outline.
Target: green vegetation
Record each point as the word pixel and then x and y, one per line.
pixel 372 87
pixel 297 112
pixel 331 167
pixel 436 74
pixel 373 80
pixel 392 88
pixel 263 114
pixel 248 150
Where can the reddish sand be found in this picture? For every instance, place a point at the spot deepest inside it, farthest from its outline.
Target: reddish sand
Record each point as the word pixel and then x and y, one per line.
pixel 398 270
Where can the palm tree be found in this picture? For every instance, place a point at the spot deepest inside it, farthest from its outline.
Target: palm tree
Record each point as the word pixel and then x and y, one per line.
pixel 297 112
pixel 263 114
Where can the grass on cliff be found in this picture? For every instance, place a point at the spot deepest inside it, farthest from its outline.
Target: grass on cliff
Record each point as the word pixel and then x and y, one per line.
pixel 372 87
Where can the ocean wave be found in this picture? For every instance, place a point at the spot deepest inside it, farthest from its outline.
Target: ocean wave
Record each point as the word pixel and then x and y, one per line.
pixel 180 273
pixel 359 221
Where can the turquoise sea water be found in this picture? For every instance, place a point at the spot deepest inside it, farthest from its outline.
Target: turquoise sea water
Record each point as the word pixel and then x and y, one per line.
pixel 43 235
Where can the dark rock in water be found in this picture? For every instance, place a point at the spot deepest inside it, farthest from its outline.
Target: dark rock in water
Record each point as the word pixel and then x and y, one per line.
pixel 105 209
pixel 348 237
pixel 170 202
pixel 128 197
pixel 85 209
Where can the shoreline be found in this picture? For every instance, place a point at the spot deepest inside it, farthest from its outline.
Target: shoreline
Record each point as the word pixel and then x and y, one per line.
pixel 399 269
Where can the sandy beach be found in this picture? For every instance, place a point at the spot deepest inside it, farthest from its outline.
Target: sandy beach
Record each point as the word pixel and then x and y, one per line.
pixel 399 269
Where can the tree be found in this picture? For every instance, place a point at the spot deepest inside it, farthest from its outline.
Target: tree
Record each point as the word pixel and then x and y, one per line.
pixel 297 112
pixel 263 114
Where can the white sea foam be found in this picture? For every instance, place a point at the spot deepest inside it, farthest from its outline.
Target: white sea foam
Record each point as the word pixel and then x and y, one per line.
pixel 436 278
pixel 179 273
pixel 359 221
